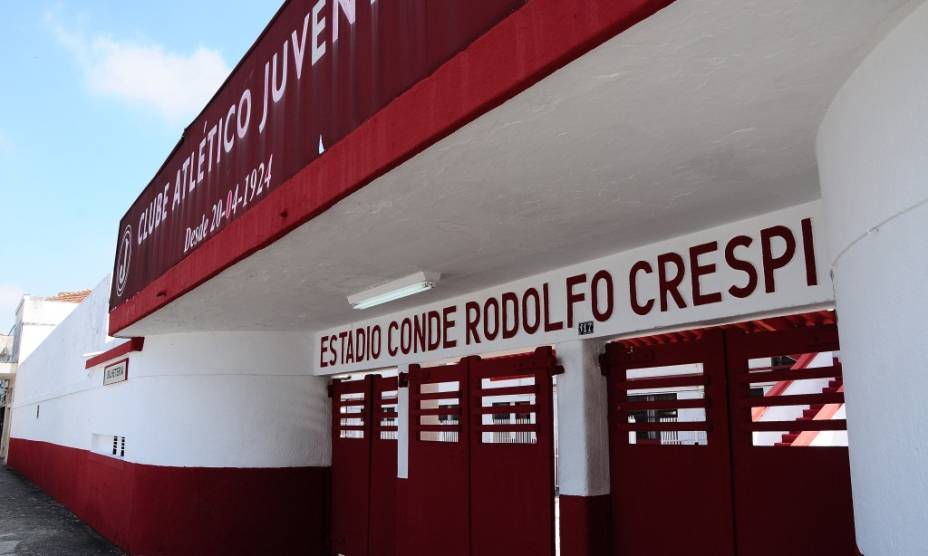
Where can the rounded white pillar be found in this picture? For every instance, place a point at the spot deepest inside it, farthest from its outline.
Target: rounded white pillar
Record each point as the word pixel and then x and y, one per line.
pixel 873 162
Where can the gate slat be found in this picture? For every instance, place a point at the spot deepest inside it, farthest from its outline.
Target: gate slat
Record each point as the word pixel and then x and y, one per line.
pixel 506 409
pixel 664 404
pixel 450 411
pixel 665 427
pixel 664 382
pixel 809 425
pixel 801 399
pixel 450 395
pixel 508 391
pixel 436 428
pixel 503 427
pixel 833 371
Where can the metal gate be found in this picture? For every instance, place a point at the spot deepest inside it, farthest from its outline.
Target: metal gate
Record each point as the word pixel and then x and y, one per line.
pixel 439 455
pixel 671 476
pixel 718 445
pixel 364 439
pixel 384 440
pixel 792 491
pixel 481 458
pixel 512 455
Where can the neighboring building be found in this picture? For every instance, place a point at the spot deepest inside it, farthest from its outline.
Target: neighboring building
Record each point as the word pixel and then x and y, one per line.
pixel 36 317
pixel 7 362
pixel 6 354
pixel 706 222
pixel 7 368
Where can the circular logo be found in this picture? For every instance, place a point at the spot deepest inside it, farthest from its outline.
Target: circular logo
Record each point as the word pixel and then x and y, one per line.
pixel 123 259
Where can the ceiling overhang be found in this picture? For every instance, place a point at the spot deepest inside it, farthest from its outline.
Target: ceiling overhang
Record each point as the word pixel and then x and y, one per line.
pixel 159 260
pixel 703 114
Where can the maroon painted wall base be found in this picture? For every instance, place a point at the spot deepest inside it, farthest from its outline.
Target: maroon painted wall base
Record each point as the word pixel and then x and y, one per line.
pixel 176 511
pixel 585 525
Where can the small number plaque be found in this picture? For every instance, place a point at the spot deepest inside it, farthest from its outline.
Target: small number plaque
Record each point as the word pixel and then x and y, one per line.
pixel 585 328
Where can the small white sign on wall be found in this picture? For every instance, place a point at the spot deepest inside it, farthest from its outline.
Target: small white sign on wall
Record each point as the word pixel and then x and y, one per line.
pixel 115 373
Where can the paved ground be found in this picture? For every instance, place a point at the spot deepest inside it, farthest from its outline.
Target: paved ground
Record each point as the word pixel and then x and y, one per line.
pixel 32 524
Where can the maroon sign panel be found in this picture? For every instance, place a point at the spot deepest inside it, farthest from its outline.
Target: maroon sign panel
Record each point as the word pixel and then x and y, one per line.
pixel 319 70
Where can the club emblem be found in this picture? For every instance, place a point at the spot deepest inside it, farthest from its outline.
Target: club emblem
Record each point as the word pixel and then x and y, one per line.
pixel 124 258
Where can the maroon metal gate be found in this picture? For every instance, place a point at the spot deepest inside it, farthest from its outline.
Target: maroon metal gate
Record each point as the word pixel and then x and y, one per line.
pixel 791 495
pixel 716 448
pixel 512 455
pixel 439 455
pixel 383 518
pixel 671 476
pixel 481 457
pixel 351 460
pixel 364 467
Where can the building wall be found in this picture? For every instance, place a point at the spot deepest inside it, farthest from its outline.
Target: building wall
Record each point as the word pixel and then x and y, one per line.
pixel 224 432
pixel 873 160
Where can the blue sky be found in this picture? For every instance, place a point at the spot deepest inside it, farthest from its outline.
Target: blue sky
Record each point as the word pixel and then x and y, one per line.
pixel 93 96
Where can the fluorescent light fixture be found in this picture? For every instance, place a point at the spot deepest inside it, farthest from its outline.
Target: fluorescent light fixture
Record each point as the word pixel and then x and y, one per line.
pixel 397 289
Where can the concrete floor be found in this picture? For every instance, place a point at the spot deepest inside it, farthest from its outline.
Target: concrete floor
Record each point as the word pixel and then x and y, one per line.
pixel 32 524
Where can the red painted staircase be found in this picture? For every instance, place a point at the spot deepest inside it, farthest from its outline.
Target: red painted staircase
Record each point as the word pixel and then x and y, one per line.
pixel 809 414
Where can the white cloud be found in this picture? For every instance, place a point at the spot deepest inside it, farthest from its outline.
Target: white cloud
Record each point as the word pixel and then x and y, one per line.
pixel 10 297
pixel 144 74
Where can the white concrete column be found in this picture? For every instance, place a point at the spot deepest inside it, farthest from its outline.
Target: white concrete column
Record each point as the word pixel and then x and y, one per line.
pixel 583 450
pixel 583 433
pixel 873 161
pixel 402 423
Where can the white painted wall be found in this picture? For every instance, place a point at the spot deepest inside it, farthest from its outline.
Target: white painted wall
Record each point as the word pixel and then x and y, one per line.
pixel 200 400
pixel 873 159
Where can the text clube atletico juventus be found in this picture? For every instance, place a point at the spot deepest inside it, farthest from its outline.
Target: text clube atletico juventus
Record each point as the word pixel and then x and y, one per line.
pixel 219 138
pixel 319 72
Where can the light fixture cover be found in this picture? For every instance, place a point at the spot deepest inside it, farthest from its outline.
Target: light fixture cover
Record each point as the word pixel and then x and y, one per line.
pixel 397 289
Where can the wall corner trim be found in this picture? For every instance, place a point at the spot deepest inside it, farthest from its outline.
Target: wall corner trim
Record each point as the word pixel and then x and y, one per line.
pixel 134 344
